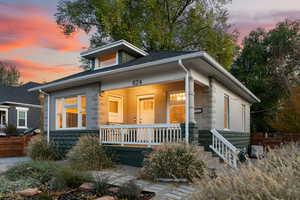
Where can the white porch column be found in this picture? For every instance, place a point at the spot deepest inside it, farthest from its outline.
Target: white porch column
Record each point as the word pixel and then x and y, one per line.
pixel 191 98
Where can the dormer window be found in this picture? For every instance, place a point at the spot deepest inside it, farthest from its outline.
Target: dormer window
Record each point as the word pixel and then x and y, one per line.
pixel 108 60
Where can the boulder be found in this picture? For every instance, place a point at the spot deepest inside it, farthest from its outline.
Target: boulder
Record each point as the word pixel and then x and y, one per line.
pixel 86 187
pixel 106 198
pixel 113 190
pixel 30 192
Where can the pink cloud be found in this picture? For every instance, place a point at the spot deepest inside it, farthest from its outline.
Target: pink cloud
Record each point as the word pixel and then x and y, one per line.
pixel 24 26
pixel 34 71
pixel 247 22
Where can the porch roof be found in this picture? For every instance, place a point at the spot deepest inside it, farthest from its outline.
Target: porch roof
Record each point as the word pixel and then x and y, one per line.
pixel 212 69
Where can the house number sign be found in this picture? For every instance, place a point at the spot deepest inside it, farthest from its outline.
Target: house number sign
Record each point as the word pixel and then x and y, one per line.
pixel 137 82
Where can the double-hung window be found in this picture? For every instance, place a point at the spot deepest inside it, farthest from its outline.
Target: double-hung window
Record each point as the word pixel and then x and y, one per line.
pixel 71 112
pixel 226 112
pixel 22 117
pixel 177 107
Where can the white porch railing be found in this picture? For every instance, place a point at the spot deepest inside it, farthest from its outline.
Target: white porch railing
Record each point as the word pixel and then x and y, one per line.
pixel 141 134
pixel 224 148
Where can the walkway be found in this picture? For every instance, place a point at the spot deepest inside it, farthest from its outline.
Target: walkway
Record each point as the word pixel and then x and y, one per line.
pixel 163 191
pixel 6 163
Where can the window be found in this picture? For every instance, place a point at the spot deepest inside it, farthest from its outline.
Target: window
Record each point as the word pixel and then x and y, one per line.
pixel 177 107
pixel 115 106
pixel 244 117
pixel 108 60
pixel 71 112
pixel 22 117
pixel 226 112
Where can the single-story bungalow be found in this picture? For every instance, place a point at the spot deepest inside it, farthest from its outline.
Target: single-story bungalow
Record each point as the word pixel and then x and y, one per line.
pixel 135 100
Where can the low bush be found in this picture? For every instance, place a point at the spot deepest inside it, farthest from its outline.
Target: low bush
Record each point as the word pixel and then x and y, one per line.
pixel 88 154
pixel 101 185
pixel 40 171
pixel 8 187
pixel 175 161
pixel 274 177
pixel 68 177
pixel 39 149
pixel 129 191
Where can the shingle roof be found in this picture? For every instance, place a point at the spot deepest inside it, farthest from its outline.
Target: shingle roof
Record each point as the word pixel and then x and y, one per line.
pixel 153 56
pixel 19 94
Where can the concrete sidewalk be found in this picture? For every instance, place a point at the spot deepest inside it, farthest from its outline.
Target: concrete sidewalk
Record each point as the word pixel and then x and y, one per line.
pixel 6 163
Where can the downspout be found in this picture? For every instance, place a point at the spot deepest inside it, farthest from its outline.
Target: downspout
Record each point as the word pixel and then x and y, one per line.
pixel 48 115
pixel 187 104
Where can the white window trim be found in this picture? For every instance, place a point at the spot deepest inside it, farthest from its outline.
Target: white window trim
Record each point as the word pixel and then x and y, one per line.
pixel 79 125
pixel 244 117
pixel 228 113
pixel 97 64
pixel 22 109
pixel 168 102
pixel 121 110
pixel 6 115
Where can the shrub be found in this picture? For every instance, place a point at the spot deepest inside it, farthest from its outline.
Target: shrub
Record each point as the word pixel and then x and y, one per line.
pixel 8 187
pixel 68 177
pixel 101 185
pixel 40 171
pixel 275 177
pixel 175 161
pixel 10 130
pixel 88 154
pixel 39 149
pixel 129 191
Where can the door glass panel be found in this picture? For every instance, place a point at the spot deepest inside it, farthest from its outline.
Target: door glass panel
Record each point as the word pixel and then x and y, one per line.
pixel 177 114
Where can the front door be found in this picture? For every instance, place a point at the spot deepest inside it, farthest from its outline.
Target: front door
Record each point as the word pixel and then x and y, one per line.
pixel 145 110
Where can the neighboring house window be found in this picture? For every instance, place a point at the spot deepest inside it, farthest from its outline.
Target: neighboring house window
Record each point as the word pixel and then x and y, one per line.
pixel 115 106
pixel 71 112
pixel 177 107
pixel 244 117
pixel 226 112
pixel 108 60
pixel 22 117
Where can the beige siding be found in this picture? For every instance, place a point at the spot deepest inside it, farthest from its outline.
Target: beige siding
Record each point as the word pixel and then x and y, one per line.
pixel 235 109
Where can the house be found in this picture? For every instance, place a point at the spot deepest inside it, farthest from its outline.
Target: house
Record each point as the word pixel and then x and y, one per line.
pixel 135 100
pixel 19 108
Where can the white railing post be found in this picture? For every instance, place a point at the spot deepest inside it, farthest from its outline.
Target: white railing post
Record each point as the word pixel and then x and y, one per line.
pixel 122 137
pixel 100 137
pixel 224 148
pixel 149 136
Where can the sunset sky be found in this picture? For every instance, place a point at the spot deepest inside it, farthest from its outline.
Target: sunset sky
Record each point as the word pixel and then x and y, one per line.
pixel 30 38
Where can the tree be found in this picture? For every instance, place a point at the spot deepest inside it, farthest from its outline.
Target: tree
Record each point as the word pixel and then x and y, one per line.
pixel 153 24
pixel 269 66
pixel 287 119
pixel 9 75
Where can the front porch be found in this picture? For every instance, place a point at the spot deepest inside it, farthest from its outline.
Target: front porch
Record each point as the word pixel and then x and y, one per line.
pixel 150 115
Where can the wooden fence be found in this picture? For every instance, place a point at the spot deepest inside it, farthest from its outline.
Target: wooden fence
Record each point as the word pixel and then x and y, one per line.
pixel 274 139
pixel 13 146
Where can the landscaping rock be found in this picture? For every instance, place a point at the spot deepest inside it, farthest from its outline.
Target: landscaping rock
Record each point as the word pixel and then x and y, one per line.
pixel 113 190
pixel 86 187
pixel 106 198
pixel 30 192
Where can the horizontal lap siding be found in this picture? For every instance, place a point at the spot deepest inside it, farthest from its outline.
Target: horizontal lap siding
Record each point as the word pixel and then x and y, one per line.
pixel 66 139
pixel 238 139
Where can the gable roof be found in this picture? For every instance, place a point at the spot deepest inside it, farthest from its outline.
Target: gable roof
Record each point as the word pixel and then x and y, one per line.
pixel 19 95
pixel 115 46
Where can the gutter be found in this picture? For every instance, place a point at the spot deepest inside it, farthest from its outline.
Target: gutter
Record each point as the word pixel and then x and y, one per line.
pixel 48 115
pixel 187 99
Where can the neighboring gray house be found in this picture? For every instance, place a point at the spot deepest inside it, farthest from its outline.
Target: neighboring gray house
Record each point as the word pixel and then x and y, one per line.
pixel 135 100
pixel 19 107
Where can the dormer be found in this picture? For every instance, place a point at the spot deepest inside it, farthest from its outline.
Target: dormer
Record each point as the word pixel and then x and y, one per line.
pixel 115 53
